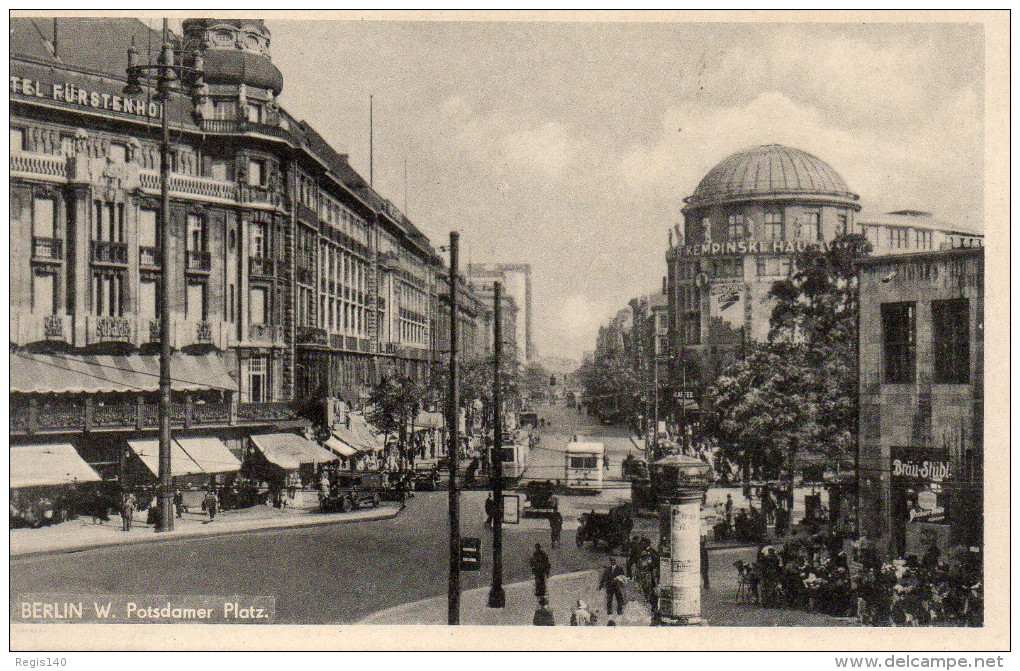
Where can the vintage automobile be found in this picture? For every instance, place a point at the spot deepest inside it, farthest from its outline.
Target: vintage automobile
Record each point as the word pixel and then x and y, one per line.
pixel 540 498
pixel 609 530
pixel 350 491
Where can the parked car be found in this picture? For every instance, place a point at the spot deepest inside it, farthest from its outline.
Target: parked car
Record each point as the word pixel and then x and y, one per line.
pixel 350 491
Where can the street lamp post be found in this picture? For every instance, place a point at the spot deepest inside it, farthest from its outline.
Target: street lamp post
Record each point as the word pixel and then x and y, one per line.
pixel 165 74
pixel 497 597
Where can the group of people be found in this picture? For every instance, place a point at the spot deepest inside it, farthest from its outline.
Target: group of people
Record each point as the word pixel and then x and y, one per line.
pixel 819 574
pixel 612 580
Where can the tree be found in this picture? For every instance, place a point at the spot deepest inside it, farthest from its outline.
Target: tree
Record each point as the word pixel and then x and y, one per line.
pixel 797 391
pixel 535 380
pixel 610 385
pixel 393 406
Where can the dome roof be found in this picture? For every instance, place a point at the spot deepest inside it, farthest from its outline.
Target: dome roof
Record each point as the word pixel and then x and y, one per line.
pixel 770 170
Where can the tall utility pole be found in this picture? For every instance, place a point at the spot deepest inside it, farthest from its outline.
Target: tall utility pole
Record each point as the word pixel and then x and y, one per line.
pixel 497 598
pixel 452 421
pixel 166 74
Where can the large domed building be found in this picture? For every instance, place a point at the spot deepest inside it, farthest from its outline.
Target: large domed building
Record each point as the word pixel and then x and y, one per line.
pixel 748 216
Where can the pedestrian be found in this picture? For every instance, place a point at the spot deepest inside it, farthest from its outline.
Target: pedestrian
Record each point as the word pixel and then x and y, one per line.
pixel 540 569
pixel 127 511
pixel 581 616
pixel 211 504
pixel 178 502
pixel 728 511
pixel 612 581
pixel 543 614
pixel 555 527
pixel 605 461
pixel 490 510
pixel 704 563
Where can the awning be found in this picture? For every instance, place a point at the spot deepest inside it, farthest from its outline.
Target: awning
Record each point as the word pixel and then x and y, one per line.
pixel 368 436
pixel 180 462
pixel 340 447
pixel 104 373
pixel 41 465
pixel 210 454
pixel 289 451
pixel 429 420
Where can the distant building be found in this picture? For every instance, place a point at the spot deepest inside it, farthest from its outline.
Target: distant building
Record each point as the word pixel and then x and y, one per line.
pixel 749 216
pixel 906 231
pixel 509 314
pixel 922 400
pixel 516 280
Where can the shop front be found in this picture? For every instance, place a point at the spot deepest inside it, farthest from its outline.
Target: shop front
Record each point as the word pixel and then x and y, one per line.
pixel 919 477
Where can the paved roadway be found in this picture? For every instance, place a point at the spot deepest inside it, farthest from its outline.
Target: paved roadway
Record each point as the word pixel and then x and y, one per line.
pixel 342 573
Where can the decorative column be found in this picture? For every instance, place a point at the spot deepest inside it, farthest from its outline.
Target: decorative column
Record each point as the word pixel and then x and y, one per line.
pixel 679 483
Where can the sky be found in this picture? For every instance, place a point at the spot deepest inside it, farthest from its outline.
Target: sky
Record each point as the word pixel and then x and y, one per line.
pixel 570 146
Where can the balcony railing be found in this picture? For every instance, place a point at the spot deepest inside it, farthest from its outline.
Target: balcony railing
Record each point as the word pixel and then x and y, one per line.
pixel 154 330
pixel 47 249
pixel 199 261
pixel 261 267
pixel 39 164
pixel 148 257
pixel 243 126
pixel 203 332
pixel 267 333
pixel 109 252
pixel 53 327
pixel 310 335
pixel 113 328
pixel 269 411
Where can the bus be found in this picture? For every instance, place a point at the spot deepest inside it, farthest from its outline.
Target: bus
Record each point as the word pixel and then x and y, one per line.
pixel 514 460
pixel 583 465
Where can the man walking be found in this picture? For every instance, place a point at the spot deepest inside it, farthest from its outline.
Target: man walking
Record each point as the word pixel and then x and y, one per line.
pixel 178 502
pixel 728 511
pixel 127 511
pixel 540 569
pixel 490 510
pixel 612 581
pixel 555 527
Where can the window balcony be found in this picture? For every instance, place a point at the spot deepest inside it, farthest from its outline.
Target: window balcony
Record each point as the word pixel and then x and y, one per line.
pixel 148 257
pixel 265 334
pixel 47 249
pixel 199 261
pixel 261 267
pixel 112 328
pixel 109 252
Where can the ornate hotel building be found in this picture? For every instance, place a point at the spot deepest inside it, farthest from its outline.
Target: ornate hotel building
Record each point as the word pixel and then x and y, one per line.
pixel 292 279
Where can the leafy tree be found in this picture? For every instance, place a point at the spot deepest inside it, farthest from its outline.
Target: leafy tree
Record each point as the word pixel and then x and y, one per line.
pixel 610 385
pixel 393 406
pixel 797 391
pixel 535 380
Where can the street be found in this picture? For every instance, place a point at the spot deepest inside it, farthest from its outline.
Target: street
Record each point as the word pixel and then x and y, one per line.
pixel 342 573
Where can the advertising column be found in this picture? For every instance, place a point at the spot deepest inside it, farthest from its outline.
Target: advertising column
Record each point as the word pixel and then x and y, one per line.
pixel 680 559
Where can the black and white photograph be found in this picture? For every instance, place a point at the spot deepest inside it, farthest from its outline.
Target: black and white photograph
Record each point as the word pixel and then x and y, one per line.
pixel 672 322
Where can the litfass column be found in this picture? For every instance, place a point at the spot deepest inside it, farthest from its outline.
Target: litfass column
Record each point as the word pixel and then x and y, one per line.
pixel 679 482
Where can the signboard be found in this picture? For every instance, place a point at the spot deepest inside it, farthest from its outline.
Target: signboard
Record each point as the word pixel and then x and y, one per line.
pixel 69 93
pixel 470 554
pixel 511 509
pixel 727 305
pixel 919 465
pixel 685 395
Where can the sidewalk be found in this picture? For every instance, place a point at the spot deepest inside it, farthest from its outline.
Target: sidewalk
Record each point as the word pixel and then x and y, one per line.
pixel 82 534
pixel 718 607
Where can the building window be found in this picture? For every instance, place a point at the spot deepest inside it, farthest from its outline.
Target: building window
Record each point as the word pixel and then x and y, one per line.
pixel 148 299
pixel 118 153
pixel 899 238
pixel 735 226
pixel 728 268
pixel 224 110
pixel 42 217
pixel 107 293
pixel 218 169
pixel 254 113
pixel 842 224
pixel 231 302
pixel 257 303
pixel 690 329
pixel 195 306
pixel 256 172
pixel 258 387
pixel 899 341
pixel 950 322
pixel 43 292
pixel 257 240
pixel 923 239
pixel 773 225
pixel 772 266
pixel 17 139
pixel 196 233
pixel 810 229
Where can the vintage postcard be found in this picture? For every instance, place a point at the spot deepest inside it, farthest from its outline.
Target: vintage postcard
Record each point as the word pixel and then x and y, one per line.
pixel 422 330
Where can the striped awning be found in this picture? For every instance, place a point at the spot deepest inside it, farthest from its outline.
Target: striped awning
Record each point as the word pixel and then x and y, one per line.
pixel 368 436
pixel 289 451
pixel 180 462
pixel 340 446
pixel 42 465
pixel 103 373
pixel 210 453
